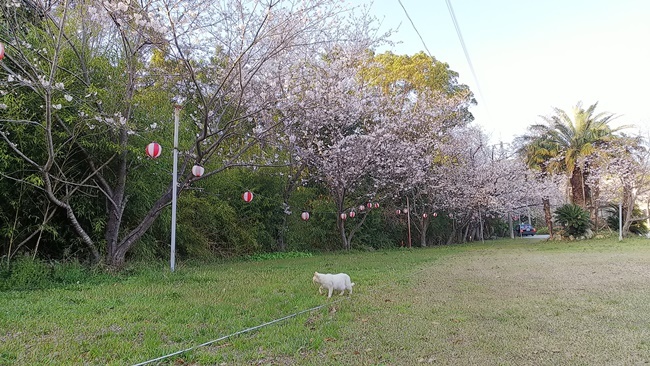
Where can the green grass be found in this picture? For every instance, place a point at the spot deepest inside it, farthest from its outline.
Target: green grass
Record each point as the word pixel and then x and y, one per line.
pixel 508 302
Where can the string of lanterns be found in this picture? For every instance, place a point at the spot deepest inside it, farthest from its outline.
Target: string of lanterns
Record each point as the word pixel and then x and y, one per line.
pixel 424 215
pixel 344 216
pixel 154 150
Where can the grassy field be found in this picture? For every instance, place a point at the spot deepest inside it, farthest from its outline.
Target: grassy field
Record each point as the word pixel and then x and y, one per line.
pixel 509 302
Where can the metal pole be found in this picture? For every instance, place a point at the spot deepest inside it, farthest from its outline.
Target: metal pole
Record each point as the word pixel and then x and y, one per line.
pixel 172 260
pixel 480 220
pixel 620 221
pixel 408 219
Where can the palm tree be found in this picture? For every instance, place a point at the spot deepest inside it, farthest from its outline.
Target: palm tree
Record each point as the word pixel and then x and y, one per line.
pixel 575 139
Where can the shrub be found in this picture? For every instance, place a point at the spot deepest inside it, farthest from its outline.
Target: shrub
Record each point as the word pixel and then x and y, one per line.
pixel 573 218
pixel 636 227
pixel 26 273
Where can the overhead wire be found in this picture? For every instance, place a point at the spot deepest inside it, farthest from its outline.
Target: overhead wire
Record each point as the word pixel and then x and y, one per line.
pixel 415 28
pixel 462 43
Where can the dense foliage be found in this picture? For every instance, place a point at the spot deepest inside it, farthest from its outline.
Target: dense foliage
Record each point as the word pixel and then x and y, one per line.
pixel 573 219
pixel 286 99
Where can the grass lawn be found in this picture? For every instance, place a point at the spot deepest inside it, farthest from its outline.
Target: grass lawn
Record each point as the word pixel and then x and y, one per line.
pixel 507 302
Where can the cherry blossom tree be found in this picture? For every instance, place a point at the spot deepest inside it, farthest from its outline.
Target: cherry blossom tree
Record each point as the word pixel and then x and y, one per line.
pixel 119 67
pixel 622 175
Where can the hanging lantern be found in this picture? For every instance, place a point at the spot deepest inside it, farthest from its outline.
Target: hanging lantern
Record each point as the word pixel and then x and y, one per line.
pixel 153 150
pixel 406 210
pixel 247 196
pixel 376 204
pixel 424 215
pixel 369 204
pixel 399 212
pixel 344 216
pixel 435 214
pixel 304 215
pixel 451 215
pixel 198 170
pixel 352 214
pixel 362 207
pixel 2 51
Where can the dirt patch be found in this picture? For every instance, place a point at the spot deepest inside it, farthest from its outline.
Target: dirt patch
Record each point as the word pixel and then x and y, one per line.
pixel 511 307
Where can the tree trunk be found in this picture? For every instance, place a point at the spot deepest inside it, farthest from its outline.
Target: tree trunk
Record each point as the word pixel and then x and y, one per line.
pixel 116 254
pixel 578 190
pixel 282 245
pixel 547 216
pixel 341 225
pixel 423 231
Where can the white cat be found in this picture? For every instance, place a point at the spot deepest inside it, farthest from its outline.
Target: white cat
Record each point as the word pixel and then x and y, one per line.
pixel 338 282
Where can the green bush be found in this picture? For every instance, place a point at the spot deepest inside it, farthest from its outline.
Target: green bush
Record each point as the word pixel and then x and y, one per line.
pixel 573 218
pixel 636 227
pixel 26 273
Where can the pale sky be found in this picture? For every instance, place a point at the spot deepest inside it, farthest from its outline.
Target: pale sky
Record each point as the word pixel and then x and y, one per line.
pixel 530 56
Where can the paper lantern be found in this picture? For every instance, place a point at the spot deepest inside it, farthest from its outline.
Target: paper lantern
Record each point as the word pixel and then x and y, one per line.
pixel 376 204
pixel 2 51
pixel 153 150
pixel 344 216
pixel 435 214
pixel 424 215
pixel 406 210
pixel 362 207
pixel 247 196
pixel 369 204
pixel 198 170
pixel 352 214
pixel 304 215
pixel 399 212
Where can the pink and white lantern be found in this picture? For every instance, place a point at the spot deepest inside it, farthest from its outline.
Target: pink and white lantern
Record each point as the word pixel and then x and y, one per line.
pixel 153 150
pixel 399 212
pixel 352 214
pixel 2 51
pixel 435 214
pixel 376 204
pixel 369 205
pixel 424 215
pixel 198 170
pixel 304 216
pixel 362 207
pixel 247 196
pixel 344 216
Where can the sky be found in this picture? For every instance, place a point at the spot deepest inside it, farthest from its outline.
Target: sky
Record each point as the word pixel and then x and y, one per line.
pixel 532 56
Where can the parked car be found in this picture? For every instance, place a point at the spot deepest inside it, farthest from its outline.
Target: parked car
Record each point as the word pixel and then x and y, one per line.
pixel 525 229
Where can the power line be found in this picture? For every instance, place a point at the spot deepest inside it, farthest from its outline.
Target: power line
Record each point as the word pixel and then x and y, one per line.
pixel 462 43
pixel 415 28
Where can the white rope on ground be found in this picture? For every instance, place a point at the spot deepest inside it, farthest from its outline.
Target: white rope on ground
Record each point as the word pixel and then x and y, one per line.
pixel 236 333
